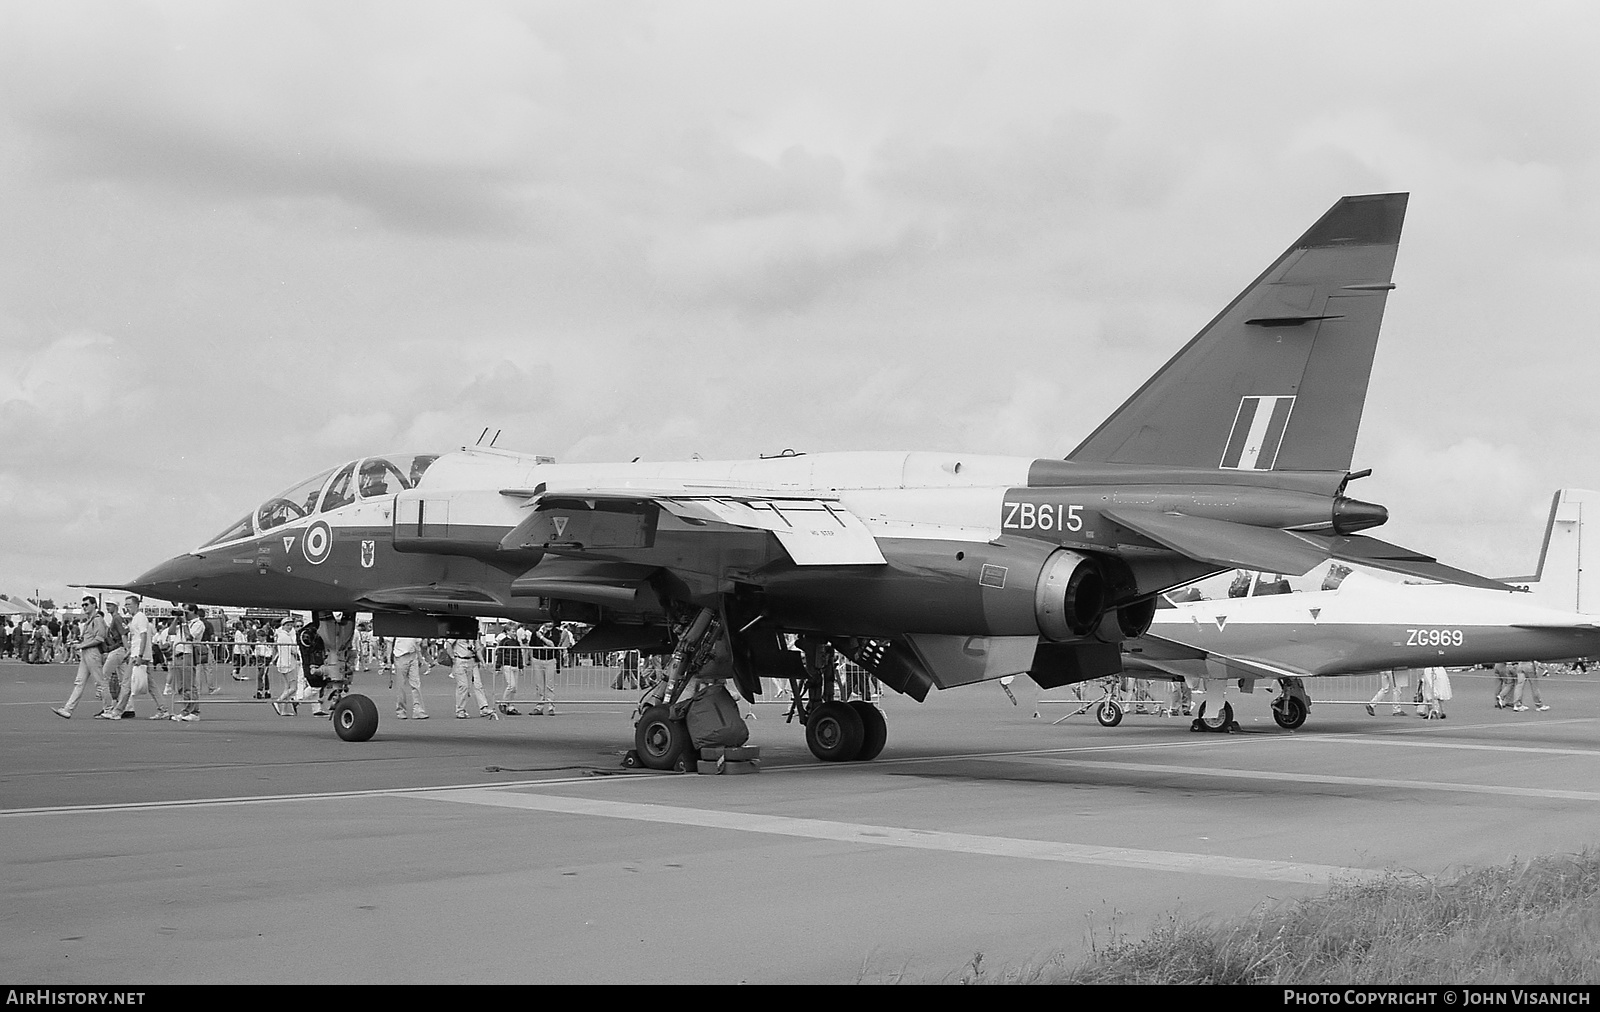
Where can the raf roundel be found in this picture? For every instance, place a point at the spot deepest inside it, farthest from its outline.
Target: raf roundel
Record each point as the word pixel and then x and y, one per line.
pixel 317 543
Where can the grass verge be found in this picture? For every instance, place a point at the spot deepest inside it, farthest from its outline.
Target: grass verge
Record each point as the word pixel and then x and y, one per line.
pixel 1533 922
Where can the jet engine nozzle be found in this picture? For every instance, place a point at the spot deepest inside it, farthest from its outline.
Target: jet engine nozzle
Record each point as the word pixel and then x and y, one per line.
pixel 1070 596
pixel 1351 515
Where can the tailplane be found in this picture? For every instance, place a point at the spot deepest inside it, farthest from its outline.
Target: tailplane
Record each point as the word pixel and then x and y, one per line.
pixel 1278 379
pixel 1564 579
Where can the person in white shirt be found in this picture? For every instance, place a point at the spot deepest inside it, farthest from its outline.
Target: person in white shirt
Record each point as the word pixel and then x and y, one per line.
pixel 408 678
pixel 464 666
pixel 140 639
pixel 286 658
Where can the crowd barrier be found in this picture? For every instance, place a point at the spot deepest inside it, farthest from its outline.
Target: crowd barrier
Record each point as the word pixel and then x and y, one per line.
pixel 579 676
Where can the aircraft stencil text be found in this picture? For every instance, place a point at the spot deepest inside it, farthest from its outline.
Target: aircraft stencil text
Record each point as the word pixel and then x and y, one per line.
pixel 1434 638
pixel 1027 516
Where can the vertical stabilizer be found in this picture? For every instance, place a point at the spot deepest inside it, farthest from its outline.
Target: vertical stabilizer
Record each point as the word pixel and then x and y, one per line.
pixel 1564 579
pixel 1278 379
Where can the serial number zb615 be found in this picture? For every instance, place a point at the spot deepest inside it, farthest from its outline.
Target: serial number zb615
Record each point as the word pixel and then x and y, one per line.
pixel 1027 516
pixel 1434 638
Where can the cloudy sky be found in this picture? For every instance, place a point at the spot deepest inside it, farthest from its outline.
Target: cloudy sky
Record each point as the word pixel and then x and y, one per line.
pixel 242 242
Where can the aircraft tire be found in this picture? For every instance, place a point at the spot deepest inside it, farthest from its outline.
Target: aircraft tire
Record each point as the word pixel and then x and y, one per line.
pixel 874 730
pixel 660 741
pixel 1109 714
pixel 834 732
pixel 1224 724
pixel 1289 712
pixel 355 718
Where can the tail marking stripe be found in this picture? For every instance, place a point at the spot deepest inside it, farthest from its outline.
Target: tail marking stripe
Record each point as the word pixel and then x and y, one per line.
pixel 1257 433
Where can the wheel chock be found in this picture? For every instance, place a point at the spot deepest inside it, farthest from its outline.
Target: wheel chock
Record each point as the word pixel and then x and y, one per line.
pixel 728 768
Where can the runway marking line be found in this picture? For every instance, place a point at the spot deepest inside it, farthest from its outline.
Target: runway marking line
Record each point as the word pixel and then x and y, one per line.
pixel 1382 737
pixel 1320 778
pixel 916 839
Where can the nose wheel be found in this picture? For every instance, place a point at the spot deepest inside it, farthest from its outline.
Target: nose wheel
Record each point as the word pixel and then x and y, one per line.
pixel 355 717
pixel 1289 712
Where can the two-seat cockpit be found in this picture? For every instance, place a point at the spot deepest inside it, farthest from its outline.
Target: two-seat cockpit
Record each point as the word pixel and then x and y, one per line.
pixel 367 478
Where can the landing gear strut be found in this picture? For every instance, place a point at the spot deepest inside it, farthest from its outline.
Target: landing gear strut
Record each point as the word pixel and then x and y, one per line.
pixel 660 737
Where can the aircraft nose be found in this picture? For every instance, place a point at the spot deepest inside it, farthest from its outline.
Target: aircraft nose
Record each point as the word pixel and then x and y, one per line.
pixel 165 581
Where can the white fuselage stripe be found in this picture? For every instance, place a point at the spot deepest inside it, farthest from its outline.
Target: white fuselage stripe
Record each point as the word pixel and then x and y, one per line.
pixel 916 839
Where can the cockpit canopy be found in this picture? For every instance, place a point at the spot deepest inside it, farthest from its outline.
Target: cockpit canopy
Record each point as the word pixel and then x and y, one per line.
pixel 368 478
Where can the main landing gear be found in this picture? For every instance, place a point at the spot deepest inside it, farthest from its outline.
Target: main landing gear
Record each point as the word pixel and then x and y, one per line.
pixel 836 730
pixel 839 732
pixel 1223 722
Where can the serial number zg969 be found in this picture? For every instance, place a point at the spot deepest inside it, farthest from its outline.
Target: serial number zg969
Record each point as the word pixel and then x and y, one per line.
pixel 1434 638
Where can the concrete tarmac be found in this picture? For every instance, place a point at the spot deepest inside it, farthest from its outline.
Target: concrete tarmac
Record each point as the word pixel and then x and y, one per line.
pixel 252 848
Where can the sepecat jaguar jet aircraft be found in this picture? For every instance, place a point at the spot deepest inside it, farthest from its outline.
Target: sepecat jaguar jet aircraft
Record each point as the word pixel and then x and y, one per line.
pixel 928 569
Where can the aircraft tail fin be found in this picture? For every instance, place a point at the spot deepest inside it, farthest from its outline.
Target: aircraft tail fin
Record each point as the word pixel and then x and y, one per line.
pixel 1278 379
pixel 1564 579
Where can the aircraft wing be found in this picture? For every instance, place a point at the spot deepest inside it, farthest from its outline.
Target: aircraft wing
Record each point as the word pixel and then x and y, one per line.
pixel 814 530
pixel 1169 656
pixel 1240 546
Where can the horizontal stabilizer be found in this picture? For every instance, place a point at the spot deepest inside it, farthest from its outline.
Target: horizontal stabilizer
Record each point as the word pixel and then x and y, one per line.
pixel 1224 544
pixel 1365 551
pixel 1229 545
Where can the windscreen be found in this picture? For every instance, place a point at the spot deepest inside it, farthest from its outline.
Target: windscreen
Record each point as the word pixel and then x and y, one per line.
pixel 242 529
pixel 291 504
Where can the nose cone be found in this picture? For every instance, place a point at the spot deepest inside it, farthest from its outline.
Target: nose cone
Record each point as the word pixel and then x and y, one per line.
pixel 169 580
pixel 1351 515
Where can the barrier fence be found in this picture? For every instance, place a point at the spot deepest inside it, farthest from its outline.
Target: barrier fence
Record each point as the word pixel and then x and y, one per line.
pixel 1160 696
pixel 579 677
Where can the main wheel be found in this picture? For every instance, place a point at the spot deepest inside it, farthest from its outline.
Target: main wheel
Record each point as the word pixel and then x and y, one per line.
pixel 355 717
pixel 660 740
pixel 835 732
pixel 1224 721
pixel 874 730
pixel 1289 712
pixel 1109 714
